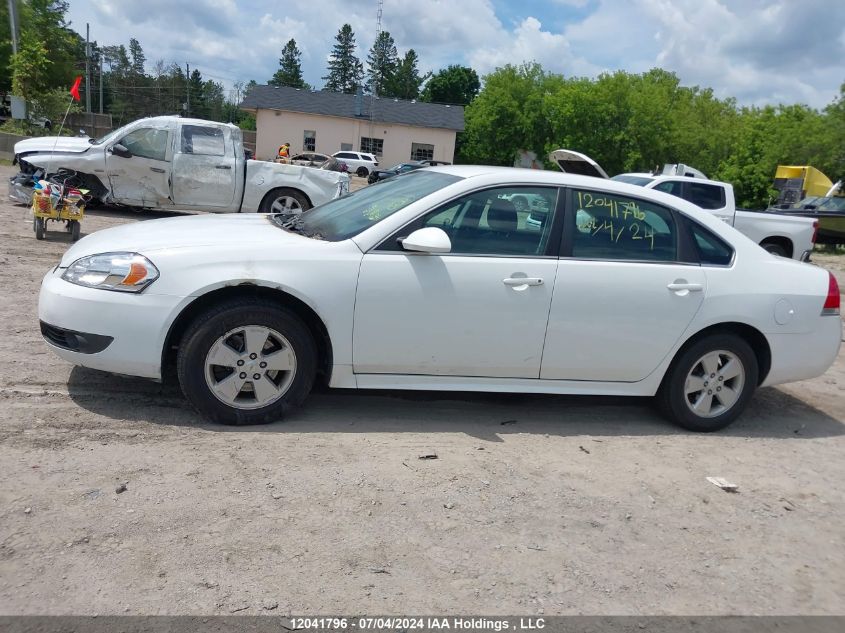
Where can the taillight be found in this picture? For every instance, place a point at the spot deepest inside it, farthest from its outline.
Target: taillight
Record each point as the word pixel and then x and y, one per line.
pixel 815 231
pixel 831 304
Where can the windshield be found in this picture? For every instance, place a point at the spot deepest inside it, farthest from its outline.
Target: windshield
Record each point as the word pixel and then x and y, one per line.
pixel 642 181
pixel 832 204
pixel 107 137
pixel 345 217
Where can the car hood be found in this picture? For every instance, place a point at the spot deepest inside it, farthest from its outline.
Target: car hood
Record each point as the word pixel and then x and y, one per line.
pixel 206 231
pixel 65 144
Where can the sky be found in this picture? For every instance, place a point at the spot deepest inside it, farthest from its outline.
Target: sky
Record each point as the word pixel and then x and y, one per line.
pixel 759 52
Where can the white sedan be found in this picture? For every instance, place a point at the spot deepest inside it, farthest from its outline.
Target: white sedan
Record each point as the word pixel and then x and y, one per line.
pixel 433 280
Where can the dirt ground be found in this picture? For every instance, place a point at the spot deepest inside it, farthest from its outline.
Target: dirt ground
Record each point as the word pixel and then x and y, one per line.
pixel 535 504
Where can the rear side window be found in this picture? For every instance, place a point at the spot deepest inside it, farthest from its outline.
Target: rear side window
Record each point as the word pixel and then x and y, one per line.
pixel 201 140
pixel 706 196
pixel 614 227
pixel 712 250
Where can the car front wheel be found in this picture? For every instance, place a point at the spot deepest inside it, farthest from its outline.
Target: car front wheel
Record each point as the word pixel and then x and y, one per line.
pixel 709 385
pixel 246 362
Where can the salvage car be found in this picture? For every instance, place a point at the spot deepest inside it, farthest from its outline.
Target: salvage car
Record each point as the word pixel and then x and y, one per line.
pixel 433 281
pixel 401 168
pixel 168 162
pixel 309 159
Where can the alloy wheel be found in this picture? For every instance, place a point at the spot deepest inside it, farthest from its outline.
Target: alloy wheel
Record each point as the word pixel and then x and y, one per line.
pixel 714 384
pixel 250 367
pixel 287 205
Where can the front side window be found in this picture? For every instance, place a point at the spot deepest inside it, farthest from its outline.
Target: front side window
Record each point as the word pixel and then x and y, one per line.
pixel 372 145
pixel 493 222
pixel 614 227
pixel 673 187
pixel 422 151
pixel 203 141
pixel 309 141
pixel 706 196
pixel 347 155
pixel 146 142
pixel 345 217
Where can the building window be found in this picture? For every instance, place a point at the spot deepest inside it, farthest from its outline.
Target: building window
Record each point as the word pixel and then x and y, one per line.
pixel 422 151
pixel 372 145
pixel 309 141
pixel 345 147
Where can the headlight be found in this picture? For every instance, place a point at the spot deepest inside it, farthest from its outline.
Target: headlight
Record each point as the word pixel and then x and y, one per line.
pixel 124 272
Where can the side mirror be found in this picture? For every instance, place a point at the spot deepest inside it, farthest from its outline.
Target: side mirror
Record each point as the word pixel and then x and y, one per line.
pixel 428 240
pixel 121 150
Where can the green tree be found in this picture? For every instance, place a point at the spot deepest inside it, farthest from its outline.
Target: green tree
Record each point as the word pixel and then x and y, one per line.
pixel 5 48
pixel 406 81
pixel 453 84
pixel 290 67
pixel 382 61
pixel 136 66
pixel 345 69
pixel 509 114
pixel 48 50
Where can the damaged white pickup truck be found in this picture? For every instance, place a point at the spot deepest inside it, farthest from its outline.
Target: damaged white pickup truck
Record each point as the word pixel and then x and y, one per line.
pixel 168 162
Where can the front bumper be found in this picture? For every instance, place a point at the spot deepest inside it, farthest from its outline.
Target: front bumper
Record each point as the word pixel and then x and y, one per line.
pixel 82 319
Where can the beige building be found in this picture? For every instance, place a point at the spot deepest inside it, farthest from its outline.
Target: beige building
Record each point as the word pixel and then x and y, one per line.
pixel 327 122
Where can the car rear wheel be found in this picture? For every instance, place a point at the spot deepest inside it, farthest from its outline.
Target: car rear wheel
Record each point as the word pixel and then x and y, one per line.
pixel 246 362
pixel 775 249
pixel 709 385
pixel 283 200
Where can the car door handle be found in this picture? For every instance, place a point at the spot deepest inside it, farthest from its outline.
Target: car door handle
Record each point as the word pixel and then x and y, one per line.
pixel 674 287
pixel 157 170
pixel 523 281
pixel 222 167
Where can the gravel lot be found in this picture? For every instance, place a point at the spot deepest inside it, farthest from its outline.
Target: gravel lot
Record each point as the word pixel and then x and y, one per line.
pixel 536 504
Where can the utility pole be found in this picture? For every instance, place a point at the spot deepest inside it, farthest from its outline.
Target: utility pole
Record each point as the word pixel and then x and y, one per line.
pixel 188 88
pixel 87 68
pixel 13 24
pixel 101 82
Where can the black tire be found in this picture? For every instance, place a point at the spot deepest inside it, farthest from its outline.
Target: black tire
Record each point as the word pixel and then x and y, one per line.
pixel 672 398
pixel 282 192
pixel 216 322
pixel 40 227
pixel 775 249
pixel 74 230
pixel 362 171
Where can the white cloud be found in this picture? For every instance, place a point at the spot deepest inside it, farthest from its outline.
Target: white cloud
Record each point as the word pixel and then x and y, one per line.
pixel 760 51
pixel 529 42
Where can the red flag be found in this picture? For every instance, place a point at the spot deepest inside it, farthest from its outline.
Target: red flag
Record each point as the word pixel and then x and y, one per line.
pixel 74 89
